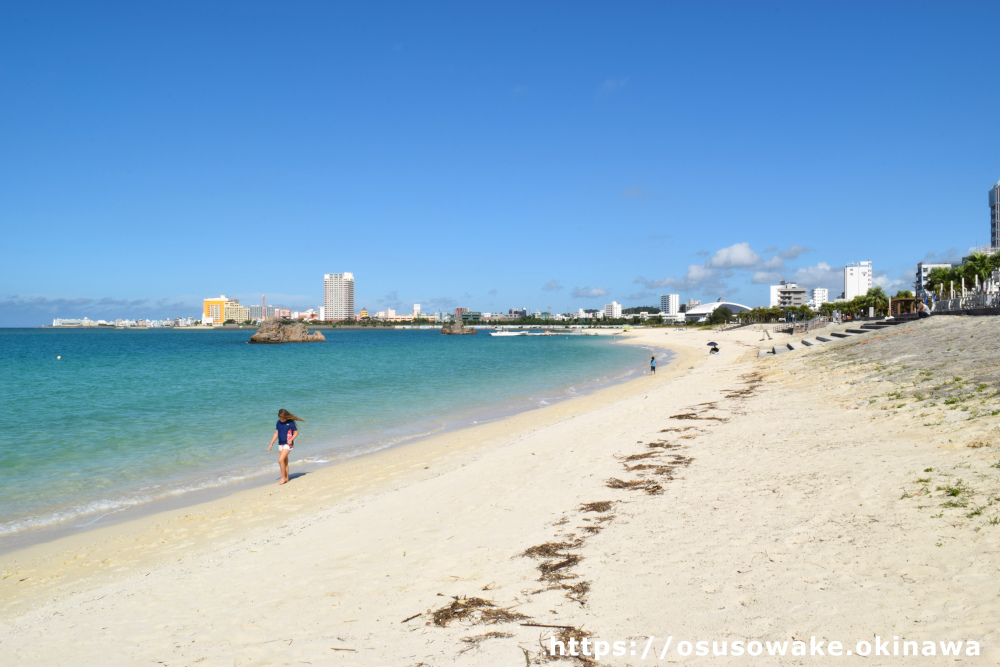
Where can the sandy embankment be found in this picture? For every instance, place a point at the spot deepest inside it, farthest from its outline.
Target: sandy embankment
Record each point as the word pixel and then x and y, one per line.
pixel 771 500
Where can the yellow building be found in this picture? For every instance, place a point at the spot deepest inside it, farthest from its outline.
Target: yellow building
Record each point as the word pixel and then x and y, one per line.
pixel 363 314
pixel 213 310
pixel 217 310
pixel 234 311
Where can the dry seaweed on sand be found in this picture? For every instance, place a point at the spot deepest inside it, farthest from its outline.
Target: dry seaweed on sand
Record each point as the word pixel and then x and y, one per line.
pixel 551 549
pixel 676 429
pixel 661 444
pixel 599 506
pixel 475 640
pixel 646 485
pixel 552 570
pixel 578 591
pixel 637 457
pixel 476 611
pixel 642 466
pixel 695 415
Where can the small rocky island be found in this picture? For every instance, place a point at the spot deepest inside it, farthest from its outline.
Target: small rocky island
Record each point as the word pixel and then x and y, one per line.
pixel 273 331
pixel 457 328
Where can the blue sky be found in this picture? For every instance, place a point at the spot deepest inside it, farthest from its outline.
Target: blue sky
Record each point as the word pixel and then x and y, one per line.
pixel 487 155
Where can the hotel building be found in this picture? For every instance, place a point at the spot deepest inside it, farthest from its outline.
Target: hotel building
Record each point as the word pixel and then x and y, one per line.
pixel 857 279
pixel 787 295
pixel 338 296
pixel 818 297
pixel 218 309
pixel 670 304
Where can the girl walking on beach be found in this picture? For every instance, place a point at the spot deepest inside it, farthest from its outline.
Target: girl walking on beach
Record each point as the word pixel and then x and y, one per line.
pixel 285 433
pixel 652 366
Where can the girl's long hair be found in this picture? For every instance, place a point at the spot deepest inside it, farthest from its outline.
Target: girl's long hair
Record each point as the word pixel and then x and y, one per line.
pixel 284 415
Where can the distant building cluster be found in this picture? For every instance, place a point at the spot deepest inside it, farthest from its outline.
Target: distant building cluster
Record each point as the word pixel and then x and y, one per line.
pixel 338 301
pixel 122 324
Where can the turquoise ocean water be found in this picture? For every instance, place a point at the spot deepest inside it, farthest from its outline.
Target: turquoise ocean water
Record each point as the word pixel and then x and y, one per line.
pixel 127 418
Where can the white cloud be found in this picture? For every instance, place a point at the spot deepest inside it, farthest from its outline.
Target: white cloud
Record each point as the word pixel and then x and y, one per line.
pixel 821 274
pixel 890 285
pixel 736 256
pixel 771 264
pixel 586 292
pixel 792 252
pixel 765 277
pixel 696 277
pixel 552 286
pixel 696 273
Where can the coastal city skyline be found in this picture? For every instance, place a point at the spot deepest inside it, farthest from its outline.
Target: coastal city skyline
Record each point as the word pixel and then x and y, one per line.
pixel 339 296
pixel 572 183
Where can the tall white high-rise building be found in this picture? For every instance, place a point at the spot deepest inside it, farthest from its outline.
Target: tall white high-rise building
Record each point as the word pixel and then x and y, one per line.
pixel 857 279
pixel 613 310
pixel 670 304
pixel 338 296
pixel 818 297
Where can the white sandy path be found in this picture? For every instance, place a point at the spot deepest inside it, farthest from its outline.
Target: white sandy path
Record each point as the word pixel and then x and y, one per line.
pixel 774 531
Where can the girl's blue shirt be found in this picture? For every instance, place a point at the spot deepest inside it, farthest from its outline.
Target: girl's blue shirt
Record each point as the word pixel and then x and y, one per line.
pixel 284 428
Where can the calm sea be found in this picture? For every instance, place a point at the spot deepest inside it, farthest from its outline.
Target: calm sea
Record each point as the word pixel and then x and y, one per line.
pixel 127 418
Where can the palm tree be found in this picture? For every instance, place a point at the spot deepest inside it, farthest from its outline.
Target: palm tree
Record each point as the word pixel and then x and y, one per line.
pixel 975 265
pixel 877 299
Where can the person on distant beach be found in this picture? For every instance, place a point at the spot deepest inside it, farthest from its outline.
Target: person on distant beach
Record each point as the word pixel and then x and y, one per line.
pixel 285 433
pixel 922 310
pixel 652 366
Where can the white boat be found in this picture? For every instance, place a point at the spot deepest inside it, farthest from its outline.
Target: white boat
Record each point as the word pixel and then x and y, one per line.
pixel 508 333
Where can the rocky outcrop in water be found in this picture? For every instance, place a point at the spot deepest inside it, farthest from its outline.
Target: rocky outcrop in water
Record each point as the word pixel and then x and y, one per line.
pixel 273 331
pixel 457 329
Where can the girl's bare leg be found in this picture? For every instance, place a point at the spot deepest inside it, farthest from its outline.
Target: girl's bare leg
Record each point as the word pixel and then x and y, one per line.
pixel 283 464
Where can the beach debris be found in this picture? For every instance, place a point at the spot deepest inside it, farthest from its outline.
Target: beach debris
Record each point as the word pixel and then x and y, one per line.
pixel 661 444
pixel 551 549
pixel 646 485
pixel 551 569
pixel 475 640
pixel 410 618
pixel 600 506
pixel 578 592
pixel 637 457
pixel 695 415
pixel 474 611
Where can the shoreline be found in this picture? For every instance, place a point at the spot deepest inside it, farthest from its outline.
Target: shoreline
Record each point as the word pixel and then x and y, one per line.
pixel 694 504
pixel 335 483
pixel 83 523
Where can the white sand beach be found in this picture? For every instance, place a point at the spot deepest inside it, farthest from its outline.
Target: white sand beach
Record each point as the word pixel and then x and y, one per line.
pixel 785 499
